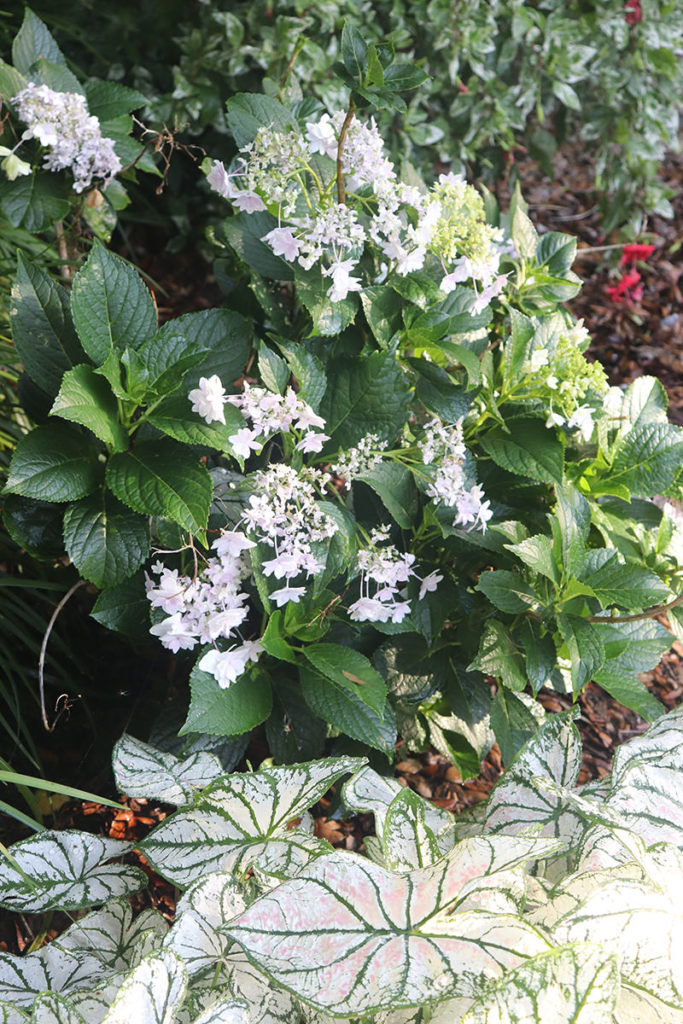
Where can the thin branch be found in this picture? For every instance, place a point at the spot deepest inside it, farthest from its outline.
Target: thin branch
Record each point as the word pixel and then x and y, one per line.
pixel 651 613
pixel 341 185
pixel 41 660
pixel 63 251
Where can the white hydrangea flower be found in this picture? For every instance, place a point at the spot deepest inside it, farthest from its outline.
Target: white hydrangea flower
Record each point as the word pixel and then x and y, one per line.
pixel 208 399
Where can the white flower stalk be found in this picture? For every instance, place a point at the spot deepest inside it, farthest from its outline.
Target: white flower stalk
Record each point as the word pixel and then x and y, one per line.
pixel 443 448
pixel 60 122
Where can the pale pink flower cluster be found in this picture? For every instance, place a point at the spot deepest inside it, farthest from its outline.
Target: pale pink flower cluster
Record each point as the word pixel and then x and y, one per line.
pixel 60 122
pixel 208 607
pixel 382 571
pixel 403 222
pixel 443 448
pixel 268 413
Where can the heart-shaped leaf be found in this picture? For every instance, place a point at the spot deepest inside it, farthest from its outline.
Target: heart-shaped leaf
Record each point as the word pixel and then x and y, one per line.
pixel 143 771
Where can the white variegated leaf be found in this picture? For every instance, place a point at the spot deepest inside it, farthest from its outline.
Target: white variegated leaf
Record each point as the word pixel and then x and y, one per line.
pixel 204 990
pixel 516 802
pixel 470 823
pixel 283 859
pixel 67 870
pixel 152 993
pixel 210 903
pixel 225 1011
pixel 49 1008
pixel 661 744
pixel 10 1014
pixel 640 921
pixel 574 985
pixel 48 969
pixel 111 935
pixel 143 771
pixel 93 1002
pixel 408 842
pixel 373 849
pixel 649 798
pixel 637 1007
pixel 237 816
pixel 369 792
pixel 268 1003
pixel 352 938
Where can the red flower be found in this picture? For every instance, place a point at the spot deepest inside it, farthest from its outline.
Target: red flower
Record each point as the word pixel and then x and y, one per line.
pixel 627 288
pixel 633 12
pixel 634 252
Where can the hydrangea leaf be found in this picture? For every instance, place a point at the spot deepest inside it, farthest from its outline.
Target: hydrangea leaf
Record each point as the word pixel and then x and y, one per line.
pixel 53 463
pixel 207 905
pixel 516 803
pixel 574 985
pixel 359 938
pixel 237 816
pixel 152 993
pixel 67 870
pixel 143 771
pixel 111 306
pixel 86 398
pixel 105 540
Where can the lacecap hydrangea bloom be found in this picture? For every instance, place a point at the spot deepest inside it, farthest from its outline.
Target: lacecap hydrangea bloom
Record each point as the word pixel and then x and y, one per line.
pixel 402 225
pixel 60 122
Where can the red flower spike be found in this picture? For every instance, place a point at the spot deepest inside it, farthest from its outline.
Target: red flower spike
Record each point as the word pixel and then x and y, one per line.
pixel 633 12
pixel 636 251
pixel 622 289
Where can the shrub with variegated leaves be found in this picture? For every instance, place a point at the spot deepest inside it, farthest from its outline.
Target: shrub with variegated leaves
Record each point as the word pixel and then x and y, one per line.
pixel 547 903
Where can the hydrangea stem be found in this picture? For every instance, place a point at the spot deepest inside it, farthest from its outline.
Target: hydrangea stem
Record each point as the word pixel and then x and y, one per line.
pixel 341 184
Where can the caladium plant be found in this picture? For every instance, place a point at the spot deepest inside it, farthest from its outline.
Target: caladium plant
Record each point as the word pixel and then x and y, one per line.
pixel 564 909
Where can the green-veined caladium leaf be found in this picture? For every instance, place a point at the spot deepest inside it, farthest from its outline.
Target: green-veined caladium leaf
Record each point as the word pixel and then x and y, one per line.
pixel 408 842
pixel 86 398
pixel 101 944
pixel 208 904
pixel 10 1014
pixel 162 478
pixel 639 919
pixel 226 1011
pixel 236 817
pixel 49 1008
pixel 369 792
pixel 143 771
pixel 268 1003
pixel 573 985
pixel 54 463
pixel 352 937
pixel 111 306
pixel 104 539
pixel 649 798
pixel 661 744
pixel 152 993
pixel 636 1005
pixel 67 870
pixel 516 803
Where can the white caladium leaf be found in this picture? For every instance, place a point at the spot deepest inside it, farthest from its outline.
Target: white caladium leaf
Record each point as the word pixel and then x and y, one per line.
pixel 225 1011
pixel 12 1014
pixel 574 985
pixel 516 802
pixel 639 919
pixel 210 903
pixel 268 1003
pixel 351 937
pixel 649 798
pixel 49 1008
pixel 48 969
pixel 113 938
pixel 204 990
pixel 93 1002
pixel 152 993
pixel 637 1007
pixel 367 791
pixel 65 870
pixel 143 771
pixel 237 816
pixel 280 860
pixel 408 842
pixel 661 744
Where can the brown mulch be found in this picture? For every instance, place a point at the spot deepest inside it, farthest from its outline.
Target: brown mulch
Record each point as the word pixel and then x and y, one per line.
pixel 635 336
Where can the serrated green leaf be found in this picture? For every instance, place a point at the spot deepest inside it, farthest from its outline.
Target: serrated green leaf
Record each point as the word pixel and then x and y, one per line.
pixel 42 330
pixel 244 705
pixel 499 656
pixel 382 313
pixel 344 709
pixel 225 333
pixel 56 77
pixel 328 317
pixel 242 813
pixel 395 486
pixel 32 41
pixel 112 308
pixel 394 926
pixel 65 870
pixel 354 52
pixel 539 654
pixel 586 649
pixel 529 450
pixel 247 112
pixel 175 418
pixel 537 553
pixel 141 770
pixel 517 346
pixel 439 392
pixel 35 201
pixel 648 459
pixel 34 525
pixel 573 517
pixel 107 100
pixel 308 369
pixel 367 396
pixel 162 478
pixel 523 234
pixel 640 646
pixel 124 608
pixel 159 365
pixel 273 370
pixel 507 591
pixel 626 585
pixel 53 463
pixel 349 669
pixel 84 397
pixel 404 77
pixel 104 539
pixel 11 82
pixel 244 232
pixel 512 723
